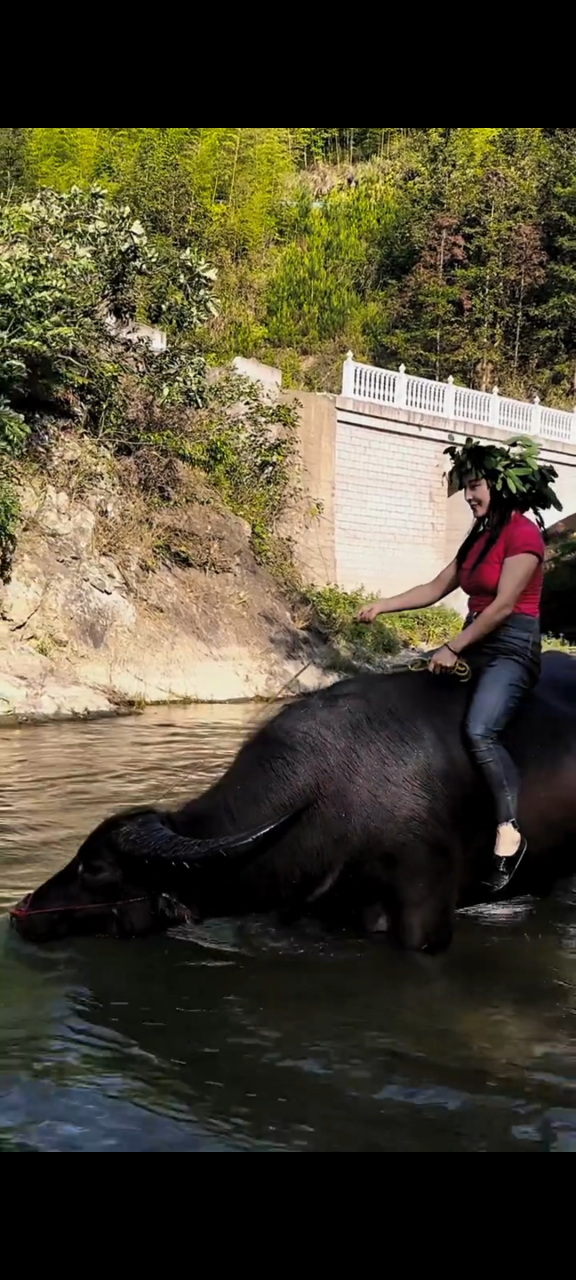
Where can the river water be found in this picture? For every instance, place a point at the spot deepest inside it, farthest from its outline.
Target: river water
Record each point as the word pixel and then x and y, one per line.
pixel 250 1037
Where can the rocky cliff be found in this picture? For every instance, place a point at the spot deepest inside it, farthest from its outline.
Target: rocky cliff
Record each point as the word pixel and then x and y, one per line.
pixel 89 628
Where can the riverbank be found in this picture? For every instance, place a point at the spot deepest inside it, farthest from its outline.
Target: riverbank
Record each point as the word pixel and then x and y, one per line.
pixel 92 626
pixel 119 599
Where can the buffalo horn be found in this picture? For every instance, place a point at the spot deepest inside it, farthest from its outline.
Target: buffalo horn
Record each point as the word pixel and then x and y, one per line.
pixel 149 836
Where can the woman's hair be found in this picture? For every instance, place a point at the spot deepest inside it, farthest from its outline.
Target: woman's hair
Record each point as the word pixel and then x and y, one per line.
pixel 500 511
pixel 518 481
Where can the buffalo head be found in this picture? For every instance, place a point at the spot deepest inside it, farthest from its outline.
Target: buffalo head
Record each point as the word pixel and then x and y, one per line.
pixel 127 879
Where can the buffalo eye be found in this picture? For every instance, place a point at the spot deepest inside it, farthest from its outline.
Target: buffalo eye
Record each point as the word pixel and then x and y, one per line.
pixel 99 874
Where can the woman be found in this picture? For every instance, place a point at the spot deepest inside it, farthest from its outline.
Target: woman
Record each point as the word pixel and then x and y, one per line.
pixel 500 567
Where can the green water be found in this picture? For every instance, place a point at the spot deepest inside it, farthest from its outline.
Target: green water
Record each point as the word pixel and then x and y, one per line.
pixel 235 1037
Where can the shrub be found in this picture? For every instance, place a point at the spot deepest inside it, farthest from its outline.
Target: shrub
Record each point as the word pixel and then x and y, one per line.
pixel 422 628
pixel 71 265
pixel 9 520
pixel 245 444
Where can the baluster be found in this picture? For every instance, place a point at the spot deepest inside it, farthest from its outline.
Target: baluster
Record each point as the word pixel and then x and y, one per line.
pixel 450 399
pixel 536 416
pixel 348 376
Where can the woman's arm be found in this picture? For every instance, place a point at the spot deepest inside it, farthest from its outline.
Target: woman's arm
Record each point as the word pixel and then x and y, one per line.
pixel 516 574
pixel 514 578
pixel 418 598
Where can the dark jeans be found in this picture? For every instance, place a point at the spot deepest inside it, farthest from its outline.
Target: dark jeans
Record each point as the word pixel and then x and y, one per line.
pixel 506 666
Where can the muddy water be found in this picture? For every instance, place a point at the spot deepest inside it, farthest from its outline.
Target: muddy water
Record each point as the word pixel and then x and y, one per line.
pixel 250 1037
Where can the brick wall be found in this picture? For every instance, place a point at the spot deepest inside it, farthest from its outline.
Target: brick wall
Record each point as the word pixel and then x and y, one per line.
pixel 390 508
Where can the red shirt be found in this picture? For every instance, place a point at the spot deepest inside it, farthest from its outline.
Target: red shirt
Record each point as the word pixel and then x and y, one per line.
pixel 519 537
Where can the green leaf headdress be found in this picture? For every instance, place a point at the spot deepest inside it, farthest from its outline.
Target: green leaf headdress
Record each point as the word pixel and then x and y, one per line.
pixel 513 470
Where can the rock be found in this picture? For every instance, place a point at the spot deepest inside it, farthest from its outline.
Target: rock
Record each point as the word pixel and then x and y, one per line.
pixel 23 594
pixel 34 689
pixel 80 635
pixel 72 525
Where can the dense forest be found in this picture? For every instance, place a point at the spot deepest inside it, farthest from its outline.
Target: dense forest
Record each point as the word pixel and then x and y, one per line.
pixel 452 250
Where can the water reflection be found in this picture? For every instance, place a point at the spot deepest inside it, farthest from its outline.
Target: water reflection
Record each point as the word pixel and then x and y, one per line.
pixel 246 1036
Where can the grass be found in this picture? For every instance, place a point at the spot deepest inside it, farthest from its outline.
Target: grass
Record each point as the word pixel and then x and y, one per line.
pixel 48 644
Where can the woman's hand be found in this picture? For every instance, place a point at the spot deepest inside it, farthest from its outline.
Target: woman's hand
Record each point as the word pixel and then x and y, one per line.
pixel 442 660
pixel 370 612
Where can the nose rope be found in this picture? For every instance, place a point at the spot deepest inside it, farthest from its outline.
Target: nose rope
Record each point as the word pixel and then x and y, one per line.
pixel 22 913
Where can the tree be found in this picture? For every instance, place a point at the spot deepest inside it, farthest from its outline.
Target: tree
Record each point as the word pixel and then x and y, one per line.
pixel 62 158
pixel 450 249
pixel 14 175
pixel 328 268
pixel 557 319
pixel 427 323
pixel 68 263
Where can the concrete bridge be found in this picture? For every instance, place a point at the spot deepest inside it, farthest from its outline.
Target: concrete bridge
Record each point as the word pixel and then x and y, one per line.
pixel 373 459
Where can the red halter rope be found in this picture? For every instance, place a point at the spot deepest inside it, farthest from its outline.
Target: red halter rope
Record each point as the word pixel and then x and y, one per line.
pixel 89 906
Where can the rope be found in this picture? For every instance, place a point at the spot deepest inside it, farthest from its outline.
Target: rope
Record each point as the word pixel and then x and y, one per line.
pixel 22 913
pixel 461 669
pixel 276 696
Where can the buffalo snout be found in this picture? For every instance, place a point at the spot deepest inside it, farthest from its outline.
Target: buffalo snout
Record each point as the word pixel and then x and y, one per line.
pixel 77 901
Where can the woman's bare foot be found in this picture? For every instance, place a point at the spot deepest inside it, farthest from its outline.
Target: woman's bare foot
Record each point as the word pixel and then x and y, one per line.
pixel 508 840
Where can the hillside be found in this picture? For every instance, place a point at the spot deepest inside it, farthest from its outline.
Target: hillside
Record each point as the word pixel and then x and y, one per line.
pixel 450 250
pixel 145 490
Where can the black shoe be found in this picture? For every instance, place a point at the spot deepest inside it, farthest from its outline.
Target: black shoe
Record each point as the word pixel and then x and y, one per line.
pixel 504 869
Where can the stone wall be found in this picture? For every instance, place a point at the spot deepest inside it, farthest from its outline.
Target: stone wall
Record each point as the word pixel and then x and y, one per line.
pixel 310 523
pixel 269 377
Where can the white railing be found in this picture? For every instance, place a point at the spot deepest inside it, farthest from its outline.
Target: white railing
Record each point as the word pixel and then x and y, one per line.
pixel 458 404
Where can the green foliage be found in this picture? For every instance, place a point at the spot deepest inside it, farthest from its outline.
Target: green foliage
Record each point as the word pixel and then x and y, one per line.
pixel 13 439
pixel 66 261
pixel 14 431
pixel 14 175
pixel 557 311
pixel 180 296
pixel 224 184
pixel 321 277
pixel 177 378
pixel 9 521
pixel 450 250
pixel 63 158
pixel 336 611
pixel 512 469
pixel 70 265
pixel 246 444
pixel 242 443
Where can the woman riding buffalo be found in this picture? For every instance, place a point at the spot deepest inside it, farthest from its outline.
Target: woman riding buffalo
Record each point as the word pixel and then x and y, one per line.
pixel 500 567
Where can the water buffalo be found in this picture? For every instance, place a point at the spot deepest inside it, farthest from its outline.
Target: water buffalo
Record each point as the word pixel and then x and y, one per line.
pixel 358 803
